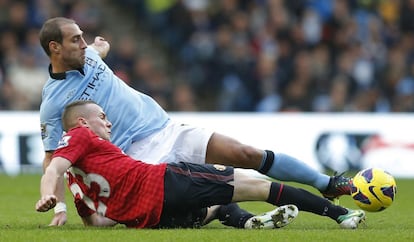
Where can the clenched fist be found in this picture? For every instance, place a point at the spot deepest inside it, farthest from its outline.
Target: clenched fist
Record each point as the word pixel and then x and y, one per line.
pixel 46 203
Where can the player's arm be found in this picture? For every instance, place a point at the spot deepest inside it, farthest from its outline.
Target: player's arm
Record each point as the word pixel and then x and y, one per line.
pixel 101 46
pixel 47 159
pixel 60 189
pixel 98 220
pixel 60 217
pixel 90 217
pixel 48 184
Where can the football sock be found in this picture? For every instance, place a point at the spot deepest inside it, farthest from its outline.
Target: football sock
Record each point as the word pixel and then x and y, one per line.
pixel 286 168
pixel 281 194
pixel 232 215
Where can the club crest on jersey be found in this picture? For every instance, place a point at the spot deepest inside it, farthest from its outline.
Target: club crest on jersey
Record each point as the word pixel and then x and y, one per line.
pixel 43 131
pixel 64 141
pixel 219 167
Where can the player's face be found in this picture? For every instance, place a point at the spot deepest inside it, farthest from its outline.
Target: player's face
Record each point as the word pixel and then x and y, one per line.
pixel 73 47
pixel 98 122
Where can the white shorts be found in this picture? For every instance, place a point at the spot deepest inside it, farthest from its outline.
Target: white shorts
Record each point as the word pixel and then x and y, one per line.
pixel 174 143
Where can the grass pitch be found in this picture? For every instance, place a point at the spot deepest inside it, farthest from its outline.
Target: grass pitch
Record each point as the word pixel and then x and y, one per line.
pixel 20 222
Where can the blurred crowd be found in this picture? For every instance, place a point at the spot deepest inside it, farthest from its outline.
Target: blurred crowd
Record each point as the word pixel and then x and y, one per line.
pixel 233 55
pixel 23 63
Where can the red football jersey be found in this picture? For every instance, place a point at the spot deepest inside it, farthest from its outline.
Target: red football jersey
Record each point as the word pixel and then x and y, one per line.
pixel 103 179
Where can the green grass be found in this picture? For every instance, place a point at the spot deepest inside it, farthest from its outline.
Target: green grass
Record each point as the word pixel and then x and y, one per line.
pixel 20 222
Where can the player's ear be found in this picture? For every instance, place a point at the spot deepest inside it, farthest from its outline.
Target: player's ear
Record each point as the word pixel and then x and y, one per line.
pixel 54 47
pixel 82 122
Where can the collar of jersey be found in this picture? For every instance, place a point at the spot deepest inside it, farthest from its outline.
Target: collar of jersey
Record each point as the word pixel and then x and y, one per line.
pixel 61 75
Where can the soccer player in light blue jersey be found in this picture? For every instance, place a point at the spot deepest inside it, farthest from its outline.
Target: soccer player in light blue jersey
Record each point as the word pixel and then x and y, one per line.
pixel 142 129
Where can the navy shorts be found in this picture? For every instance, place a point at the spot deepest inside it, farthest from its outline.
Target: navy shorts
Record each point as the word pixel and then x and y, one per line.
pixel 190 189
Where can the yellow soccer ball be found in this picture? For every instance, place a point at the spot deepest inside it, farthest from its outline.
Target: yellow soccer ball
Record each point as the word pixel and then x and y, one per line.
pixel 373 189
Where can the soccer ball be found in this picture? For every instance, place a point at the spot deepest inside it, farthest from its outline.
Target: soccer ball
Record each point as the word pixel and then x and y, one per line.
pixel 373 189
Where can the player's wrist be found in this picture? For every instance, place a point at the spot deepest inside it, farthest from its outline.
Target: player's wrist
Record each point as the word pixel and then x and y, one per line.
pixel 60 207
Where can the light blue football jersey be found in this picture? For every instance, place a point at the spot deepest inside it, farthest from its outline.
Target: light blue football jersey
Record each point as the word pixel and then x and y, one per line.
pixel 133 114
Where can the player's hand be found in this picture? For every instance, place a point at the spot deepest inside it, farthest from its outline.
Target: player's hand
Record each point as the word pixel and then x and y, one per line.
pixel 59 219
pixel 46 203
pixel 101 45
pixel 101 42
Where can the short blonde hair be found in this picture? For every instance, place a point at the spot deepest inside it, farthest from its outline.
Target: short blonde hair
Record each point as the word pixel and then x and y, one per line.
pixel 73 111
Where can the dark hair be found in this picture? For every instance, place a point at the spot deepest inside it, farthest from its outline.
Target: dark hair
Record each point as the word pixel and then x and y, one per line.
pixel 51 31
pixel 72 111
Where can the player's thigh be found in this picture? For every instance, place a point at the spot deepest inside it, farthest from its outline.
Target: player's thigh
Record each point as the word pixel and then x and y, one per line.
pixel 175 143
pixel 192 186
pixel 228 151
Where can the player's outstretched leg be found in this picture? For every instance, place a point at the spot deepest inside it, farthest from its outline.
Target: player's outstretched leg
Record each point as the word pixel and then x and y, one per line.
pixel 287 168
pixel 278 218
pixel 281 194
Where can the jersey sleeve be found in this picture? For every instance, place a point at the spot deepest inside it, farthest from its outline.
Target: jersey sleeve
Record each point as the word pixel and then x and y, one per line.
pixel 51 125
pixel 92 50
pixel 75 144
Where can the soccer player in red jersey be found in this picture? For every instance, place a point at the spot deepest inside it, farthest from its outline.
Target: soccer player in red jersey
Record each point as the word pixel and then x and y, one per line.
pixel 142 129
pixel 110 187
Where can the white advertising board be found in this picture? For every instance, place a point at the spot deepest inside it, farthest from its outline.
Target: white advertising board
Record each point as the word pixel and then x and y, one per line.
pixel 325 141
